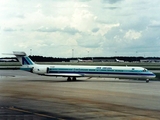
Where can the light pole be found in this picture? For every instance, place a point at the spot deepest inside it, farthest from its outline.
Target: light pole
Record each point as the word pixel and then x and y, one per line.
pixel 136 56
pixel 88 53
pixel 72 53
pixel 30 52
pixel 115 53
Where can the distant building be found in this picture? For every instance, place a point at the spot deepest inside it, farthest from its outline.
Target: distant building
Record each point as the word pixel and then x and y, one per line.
pixel 104 60
pixel 150 60
pixel 73 61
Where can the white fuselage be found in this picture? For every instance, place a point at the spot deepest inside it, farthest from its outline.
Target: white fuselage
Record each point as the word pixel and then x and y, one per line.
pixel 89 71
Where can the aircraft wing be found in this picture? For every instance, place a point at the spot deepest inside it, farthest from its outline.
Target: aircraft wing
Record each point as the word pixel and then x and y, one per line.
pixel 65 74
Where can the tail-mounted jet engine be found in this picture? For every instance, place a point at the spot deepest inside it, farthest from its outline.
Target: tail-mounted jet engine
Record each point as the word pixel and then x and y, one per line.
pixel 40 70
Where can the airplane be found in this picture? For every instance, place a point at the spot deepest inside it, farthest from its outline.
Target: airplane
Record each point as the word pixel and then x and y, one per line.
pixel 117 60
pixel 80 60
pixel 74 71
pixel 7 60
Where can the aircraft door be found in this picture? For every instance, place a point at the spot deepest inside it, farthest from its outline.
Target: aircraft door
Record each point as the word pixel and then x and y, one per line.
pixel 47 71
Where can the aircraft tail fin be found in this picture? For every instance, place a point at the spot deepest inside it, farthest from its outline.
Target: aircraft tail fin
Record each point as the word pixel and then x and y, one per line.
pixel 23 58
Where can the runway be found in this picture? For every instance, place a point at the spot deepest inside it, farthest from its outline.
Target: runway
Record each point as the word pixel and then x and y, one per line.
pixel 95 98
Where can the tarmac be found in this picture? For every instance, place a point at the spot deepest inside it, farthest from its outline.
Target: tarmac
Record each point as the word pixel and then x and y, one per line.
pixel 29 96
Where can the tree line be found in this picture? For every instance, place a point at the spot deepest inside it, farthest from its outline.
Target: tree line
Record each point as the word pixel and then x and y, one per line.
pixel 37 58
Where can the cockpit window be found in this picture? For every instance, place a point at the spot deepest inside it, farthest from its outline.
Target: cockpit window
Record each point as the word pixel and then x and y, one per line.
pixel 145 70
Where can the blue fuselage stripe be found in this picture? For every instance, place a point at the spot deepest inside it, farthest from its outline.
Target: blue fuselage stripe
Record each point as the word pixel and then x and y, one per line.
pixel 26 61
pixel 26 69
pixel 113 73
pixel 29 60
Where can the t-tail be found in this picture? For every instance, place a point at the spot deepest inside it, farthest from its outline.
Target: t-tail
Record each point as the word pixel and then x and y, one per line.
pixel 23 58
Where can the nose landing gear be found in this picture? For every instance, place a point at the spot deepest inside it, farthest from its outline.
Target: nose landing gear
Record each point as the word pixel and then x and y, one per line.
pixel 147 80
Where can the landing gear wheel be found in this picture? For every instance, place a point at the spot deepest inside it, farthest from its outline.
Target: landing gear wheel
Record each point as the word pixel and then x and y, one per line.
pixel 147 81
pixel 68 79
pixel 74 78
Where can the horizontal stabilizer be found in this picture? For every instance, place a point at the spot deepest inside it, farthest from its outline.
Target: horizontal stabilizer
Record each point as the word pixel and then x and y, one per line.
pixel 7 54
pixel 16 53
pixel 19 53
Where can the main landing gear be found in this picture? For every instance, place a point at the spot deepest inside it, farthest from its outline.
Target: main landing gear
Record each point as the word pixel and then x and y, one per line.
pixel 71 79
pixel 147 80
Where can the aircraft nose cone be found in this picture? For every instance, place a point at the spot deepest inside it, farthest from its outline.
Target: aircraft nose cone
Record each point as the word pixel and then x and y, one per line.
pixel 153 75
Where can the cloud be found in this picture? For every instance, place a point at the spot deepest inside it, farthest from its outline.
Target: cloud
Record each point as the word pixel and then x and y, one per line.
pixel 111 8
pixel 47 29
pixel 155 24
pixel 68 30
pixel 112 1
pixel 95 29
pixel 9 29
pixel 18 15
pixel 105 28
pixel 83 20
pixel 133 35
pixel 100 27
pixel 84 0
pixel 89 41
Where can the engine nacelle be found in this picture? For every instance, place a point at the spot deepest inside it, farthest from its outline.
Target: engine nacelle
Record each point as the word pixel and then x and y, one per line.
pixel 40 70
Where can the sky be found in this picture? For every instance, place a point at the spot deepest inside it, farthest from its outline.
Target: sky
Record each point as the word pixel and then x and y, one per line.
pixel 80 28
